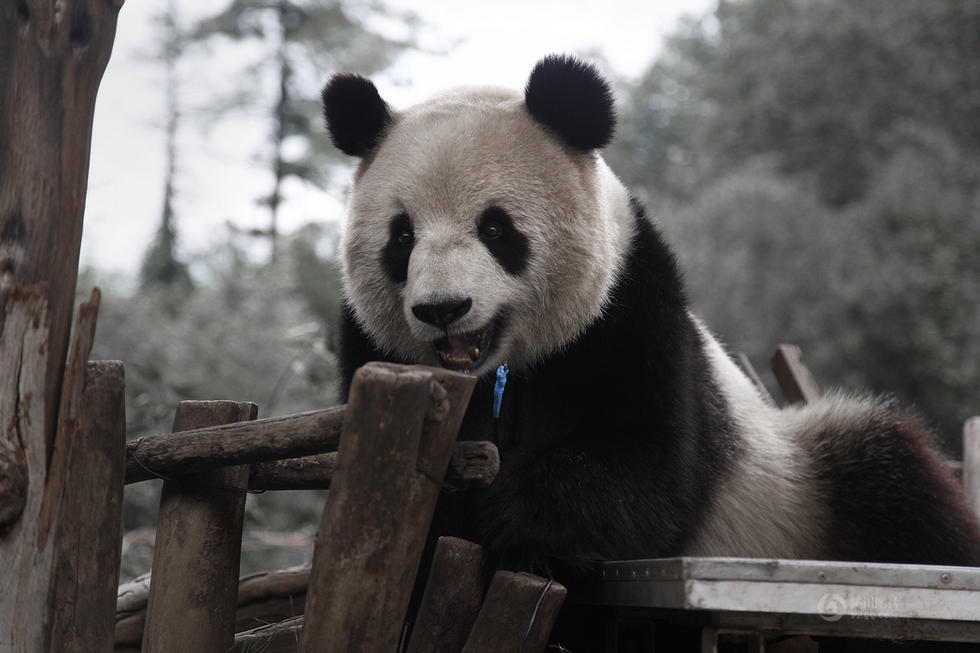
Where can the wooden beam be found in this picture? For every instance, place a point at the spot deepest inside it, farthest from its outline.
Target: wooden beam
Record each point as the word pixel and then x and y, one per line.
pixel 473 464
pixel 194 585
pixel 517 615
pixel 794 378
pixel 195 450
pixel 452 598
pixel 971 462
pixel 399 429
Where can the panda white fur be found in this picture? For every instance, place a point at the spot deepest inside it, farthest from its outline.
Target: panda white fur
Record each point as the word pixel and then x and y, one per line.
pixel 484 228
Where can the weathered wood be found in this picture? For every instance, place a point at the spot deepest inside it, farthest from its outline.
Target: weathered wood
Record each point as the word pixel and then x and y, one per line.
pixel 971 462
pixel 194 585
pixel 517 615
pixel 473 464
pixel 23 348
pixel 263 598
pixel 196 450
pixel 794 378
pixel 47 576
pixel 282 637
pixel 399 429
pixel 749 370
pixel 89 517
pixel 52 56
pixel 452 598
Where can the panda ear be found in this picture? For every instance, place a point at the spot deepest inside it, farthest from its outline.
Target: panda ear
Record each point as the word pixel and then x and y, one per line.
pixel 355 114
pixel 570 97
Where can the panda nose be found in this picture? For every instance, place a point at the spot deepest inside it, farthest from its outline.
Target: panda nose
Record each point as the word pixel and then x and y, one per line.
pixel 444 313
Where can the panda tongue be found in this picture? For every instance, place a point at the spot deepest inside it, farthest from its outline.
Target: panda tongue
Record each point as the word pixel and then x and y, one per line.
pixel 464 346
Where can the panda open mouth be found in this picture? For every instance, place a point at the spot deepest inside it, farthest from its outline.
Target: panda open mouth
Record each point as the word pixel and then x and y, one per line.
pixel 464 351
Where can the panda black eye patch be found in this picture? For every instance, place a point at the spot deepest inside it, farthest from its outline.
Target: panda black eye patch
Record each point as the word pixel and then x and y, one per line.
pixel 398 249
pixel 503 240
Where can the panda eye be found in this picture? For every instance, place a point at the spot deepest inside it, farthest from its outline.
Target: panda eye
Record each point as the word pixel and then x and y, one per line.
pixel 491 229
pixel 401 232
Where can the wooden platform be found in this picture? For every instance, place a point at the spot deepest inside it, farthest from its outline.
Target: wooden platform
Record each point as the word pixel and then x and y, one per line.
pixel 767 598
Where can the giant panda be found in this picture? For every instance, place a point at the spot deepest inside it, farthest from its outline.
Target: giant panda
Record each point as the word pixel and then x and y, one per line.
pixel 484 229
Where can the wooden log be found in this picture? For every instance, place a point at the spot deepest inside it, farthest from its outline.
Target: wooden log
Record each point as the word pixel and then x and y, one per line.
pixel 971 462
pixel 452 598
pixel 399 429
pixel 473 464
pixel 749 370
pixel 194 585
pixel 282 637
pixel 794 378
pixel 196 450
pixel 263 598
pixel 52 56
pixel 517 615
pixel 60 556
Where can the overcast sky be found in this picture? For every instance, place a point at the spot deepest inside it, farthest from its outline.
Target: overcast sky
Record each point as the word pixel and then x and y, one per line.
pixel 220 177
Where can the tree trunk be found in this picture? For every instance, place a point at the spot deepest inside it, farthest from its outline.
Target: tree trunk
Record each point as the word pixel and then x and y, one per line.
pixel 52 56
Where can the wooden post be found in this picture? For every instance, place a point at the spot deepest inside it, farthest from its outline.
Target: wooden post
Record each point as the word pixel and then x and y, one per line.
pixel 89 525
pixel 452 598
pixel 517 615
pixel 194 582
pixel 971 462
pixel 399 428
pixel 794 378
pixel 50 580
pixel 749 370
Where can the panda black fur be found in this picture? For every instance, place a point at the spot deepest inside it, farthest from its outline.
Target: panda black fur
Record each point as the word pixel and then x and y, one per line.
pixel 485 219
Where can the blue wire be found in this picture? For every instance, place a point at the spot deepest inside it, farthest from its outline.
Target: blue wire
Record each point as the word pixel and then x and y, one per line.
pixel 498 389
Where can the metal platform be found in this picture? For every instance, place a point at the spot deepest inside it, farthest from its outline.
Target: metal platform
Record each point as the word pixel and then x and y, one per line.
pixel 763 598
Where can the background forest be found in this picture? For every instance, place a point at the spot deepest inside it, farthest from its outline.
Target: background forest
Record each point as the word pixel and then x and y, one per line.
pixel 816 164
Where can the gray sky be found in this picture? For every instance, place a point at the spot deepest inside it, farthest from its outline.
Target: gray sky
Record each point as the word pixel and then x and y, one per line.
pixel 220 177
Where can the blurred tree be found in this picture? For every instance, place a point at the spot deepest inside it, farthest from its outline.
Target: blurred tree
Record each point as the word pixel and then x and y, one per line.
pixel 818 163
pixel 160 263
pixel 246 333
pixel 302 41
pixel 825 86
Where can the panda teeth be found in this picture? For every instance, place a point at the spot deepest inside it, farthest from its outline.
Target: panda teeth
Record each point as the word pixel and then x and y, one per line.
pixel 473 353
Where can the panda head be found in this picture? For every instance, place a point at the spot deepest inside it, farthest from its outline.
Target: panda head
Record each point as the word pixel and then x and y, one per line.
pixel 483 226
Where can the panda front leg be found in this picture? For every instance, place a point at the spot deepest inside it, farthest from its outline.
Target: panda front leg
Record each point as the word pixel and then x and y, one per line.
pixel 573 506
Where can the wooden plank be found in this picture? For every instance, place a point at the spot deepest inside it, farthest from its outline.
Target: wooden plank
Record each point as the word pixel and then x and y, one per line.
pixel 89 518
pixel 828 590
pixel 971 462
pixel 196 450
pixel 452 598
pixel 399 429
pixel 749 370
pixel 473 464
pixel 194 585
pixel 794 378
pixel 517 615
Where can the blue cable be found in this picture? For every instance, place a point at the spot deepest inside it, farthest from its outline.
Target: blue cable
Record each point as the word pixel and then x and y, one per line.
pixel 498 388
